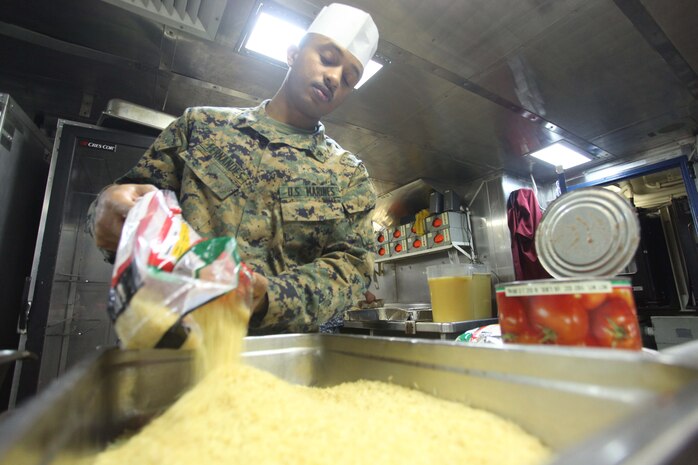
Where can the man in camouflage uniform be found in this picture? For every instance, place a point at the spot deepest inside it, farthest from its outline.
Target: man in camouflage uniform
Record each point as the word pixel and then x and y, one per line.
pixel 298 204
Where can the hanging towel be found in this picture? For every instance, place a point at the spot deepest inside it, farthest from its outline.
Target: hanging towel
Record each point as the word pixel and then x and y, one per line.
pixel 523 217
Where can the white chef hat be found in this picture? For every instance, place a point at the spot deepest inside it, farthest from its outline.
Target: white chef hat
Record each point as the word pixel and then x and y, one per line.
pixel 350 28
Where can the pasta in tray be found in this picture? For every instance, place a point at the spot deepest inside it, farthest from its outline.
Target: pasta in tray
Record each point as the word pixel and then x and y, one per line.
pixel 238 414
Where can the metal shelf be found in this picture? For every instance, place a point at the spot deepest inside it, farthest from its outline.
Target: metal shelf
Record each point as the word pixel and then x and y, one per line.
pixel 452 246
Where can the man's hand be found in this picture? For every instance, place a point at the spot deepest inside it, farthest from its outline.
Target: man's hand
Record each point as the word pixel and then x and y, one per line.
pixel 112 207
pixel 260 300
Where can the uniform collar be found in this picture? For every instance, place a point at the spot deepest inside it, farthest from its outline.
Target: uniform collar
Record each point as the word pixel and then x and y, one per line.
pixel 257 119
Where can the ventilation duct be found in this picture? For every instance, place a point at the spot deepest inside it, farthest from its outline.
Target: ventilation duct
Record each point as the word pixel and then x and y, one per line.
pixel 198 17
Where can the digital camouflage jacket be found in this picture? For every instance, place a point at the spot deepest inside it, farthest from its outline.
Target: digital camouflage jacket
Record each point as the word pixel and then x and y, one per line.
pixel 298 205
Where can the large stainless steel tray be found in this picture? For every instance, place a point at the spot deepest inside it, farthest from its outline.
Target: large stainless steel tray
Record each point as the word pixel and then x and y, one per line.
pixel 594 406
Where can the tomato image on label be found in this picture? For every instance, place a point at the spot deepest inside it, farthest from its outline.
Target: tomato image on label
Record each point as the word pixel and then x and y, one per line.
pixel 513 316
pixel 595 319
pixel 514 323
pixel 437 222
pixel 591 301
pixel 561 318
pixel 614 324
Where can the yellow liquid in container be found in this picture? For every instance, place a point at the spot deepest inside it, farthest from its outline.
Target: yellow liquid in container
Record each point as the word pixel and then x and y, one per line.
pixel 451 298
pixel 482 295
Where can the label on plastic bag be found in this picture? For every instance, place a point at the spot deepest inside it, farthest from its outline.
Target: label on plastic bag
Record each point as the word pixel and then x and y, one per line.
pixel 164 270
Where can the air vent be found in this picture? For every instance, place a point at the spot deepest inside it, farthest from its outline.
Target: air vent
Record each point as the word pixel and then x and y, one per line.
pixel 198 17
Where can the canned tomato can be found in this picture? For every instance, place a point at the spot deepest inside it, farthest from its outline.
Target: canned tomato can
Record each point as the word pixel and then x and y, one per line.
pixel 594 312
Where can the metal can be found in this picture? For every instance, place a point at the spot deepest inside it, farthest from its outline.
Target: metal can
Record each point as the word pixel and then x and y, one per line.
pixel 588 232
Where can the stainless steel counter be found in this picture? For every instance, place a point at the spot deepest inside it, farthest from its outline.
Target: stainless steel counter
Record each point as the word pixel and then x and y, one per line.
pixel 593 406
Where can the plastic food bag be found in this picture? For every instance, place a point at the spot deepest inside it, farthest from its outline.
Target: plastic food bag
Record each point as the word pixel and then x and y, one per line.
pixel 164 270
pixel 484 335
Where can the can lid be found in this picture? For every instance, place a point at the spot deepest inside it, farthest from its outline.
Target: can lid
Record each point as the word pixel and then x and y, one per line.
pixel 588 232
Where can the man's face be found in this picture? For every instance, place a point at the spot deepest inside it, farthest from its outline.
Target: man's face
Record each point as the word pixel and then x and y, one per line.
pixel 322 75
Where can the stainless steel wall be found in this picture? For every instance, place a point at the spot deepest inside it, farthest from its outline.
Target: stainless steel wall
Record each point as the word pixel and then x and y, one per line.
pixel 405 280
pixel 488 210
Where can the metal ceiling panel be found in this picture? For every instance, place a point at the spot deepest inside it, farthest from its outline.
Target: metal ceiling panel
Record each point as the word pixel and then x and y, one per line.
pixel 218 64
pixel 648 134
pixel 679 20
pixel 460 36
pixel 596 59
pixel 396 95
pixel 55 84
pixel 393 161
pixel 184 92
pixel 580 64
pixel 471 130
pixel 92 24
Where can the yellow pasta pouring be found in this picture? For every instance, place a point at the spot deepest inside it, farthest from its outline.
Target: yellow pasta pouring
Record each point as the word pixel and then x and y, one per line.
pixel 164 270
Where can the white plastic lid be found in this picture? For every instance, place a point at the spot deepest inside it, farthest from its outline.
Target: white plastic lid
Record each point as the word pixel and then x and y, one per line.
pixel 588 232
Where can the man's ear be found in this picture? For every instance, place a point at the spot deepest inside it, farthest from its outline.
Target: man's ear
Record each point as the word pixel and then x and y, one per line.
pixel 292 55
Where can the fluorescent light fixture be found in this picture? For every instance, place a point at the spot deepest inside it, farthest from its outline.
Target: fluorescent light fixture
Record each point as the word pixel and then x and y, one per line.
pixel 372 67
pixel 561 154
pixel 272 35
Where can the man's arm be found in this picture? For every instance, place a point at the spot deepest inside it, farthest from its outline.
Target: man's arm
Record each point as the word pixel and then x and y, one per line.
pixel 159 167
pixel 303 298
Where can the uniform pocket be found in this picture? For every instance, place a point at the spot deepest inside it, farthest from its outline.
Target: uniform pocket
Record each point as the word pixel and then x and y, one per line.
pixel 209 171
pixel 307 224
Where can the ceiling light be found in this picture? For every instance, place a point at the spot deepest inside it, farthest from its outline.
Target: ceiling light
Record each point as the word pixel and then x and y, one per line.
pixel 561 154
pixel 272 35
pixel 372 67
